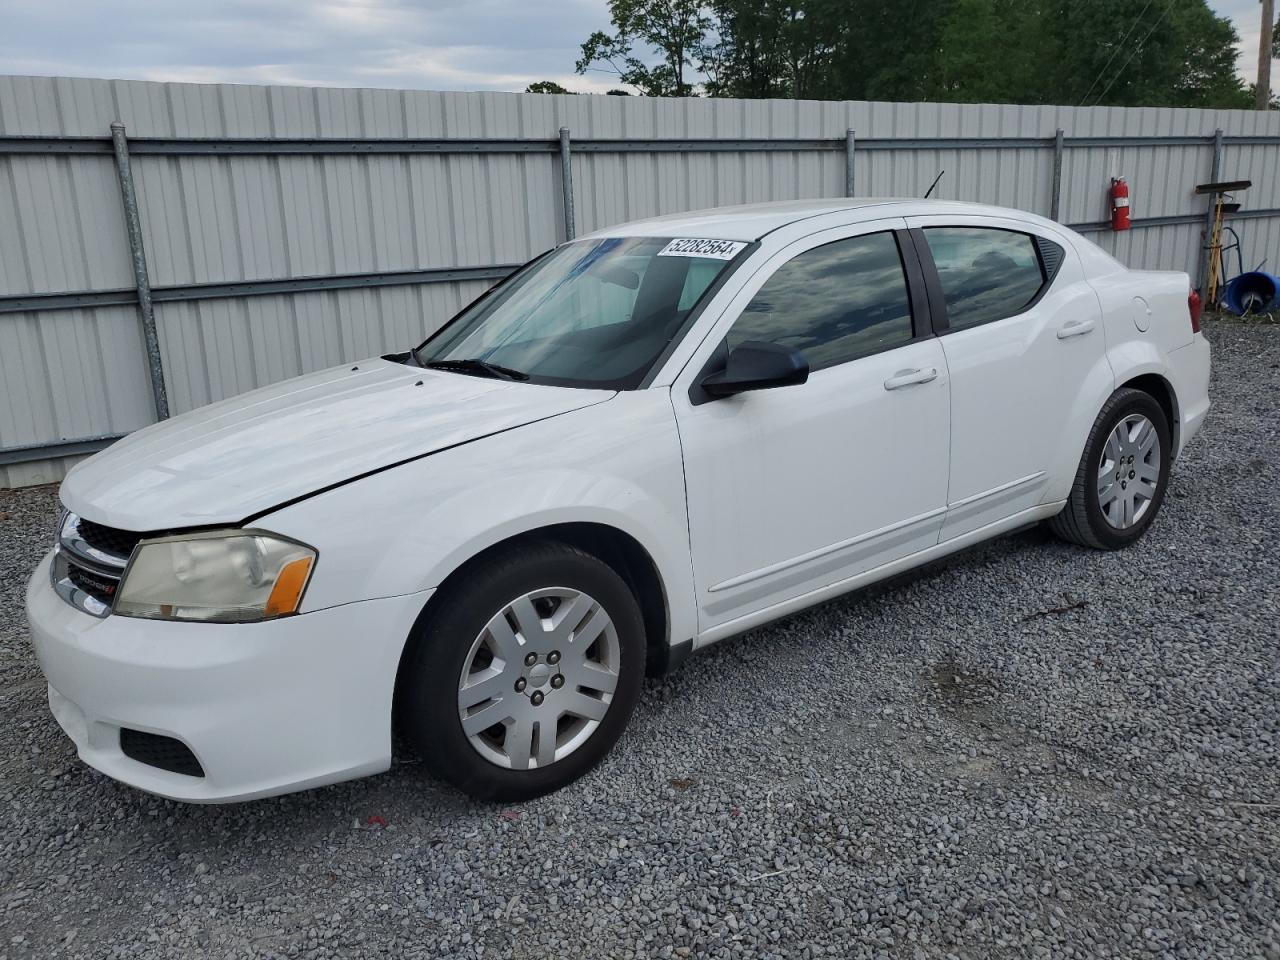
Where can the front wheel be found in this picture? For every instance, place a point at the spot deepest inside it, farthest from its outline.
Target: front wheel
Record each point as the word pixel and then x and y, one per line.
pixel 1123 474
pixel 525 674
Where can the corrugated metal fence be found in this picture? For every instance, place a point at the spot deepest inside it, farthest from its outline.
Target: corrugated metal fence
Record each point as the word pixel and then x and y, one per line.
pixel 287 229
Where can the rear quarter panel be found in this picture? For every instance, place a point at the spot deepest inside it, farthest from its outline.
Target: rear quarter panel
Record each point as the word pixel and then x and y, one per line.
pixel 1144 313
pixel 1148 331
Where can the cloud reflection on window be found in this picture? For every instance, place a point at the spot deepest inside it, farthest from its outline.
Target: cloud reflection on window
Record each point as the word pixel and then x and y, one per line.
pixel 987 274
pixel 834 303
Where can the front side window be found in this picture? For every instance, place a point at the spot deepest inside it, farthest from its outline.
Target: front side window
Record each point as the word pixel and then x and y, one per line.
pixel 833 303
pixel 594 313
pixel 986 273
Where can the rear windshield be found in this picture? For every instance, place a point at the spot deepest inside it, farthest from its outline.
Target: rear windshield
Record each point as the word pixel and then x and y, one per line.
pixel 593 313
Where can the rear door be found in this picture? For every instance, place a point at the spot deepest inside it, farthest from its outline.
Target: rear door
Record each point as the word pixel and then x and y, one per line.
pixel 1022 333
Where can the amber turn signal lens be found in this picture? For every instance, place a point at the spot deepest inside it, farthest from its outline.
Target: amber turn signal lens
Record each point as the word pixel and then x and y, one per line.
pixel 287 592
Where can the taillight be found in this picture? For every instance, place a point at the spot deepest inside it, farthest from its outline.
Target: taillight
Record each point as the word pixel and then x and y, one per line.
pixel 1195 307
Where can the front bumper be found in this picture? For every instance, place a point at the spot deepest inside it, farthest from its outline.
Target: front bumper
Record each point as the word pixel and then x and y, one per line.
pixel 266 708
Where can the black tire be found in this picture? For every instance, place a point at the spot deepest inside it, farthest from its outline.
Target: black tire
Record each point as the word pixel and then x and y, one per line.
pixel 1082 520
pixel 427 688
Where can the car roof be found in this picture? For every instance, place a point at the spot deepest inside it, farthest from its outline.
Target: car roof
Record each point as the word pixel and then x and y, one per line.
pixel 751 221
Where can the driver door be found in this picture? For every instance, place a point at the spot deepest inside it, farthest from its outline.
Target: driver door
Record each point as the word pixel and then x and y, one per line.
pixel 796 488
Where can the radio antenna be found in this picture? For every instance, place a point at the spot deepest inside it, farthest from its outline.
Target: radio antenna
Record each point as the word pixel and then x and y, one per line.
pixel 934 184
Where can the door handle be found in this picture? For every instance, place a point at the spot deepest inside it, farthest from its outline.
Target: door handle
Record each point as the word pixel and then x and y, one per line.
pixel 1074 328
pixel 905 378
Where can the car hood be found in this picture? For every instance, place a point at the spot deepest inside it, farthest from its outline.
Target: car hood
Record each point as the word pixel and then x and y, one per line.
pixel 231 460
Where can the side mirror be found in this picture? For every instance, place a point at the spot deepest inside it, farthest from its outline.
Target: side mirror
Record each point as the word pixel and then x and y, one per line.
pixel 755 365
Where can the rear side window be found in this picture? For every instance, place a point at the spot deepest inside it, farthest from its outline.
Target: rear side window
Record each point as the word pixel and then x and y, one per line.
pixel 986 274
pixel 833 303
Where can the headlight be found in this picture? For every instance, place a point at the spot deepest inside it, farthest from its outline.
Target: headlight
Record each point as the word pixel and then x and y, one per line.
pixel 224 576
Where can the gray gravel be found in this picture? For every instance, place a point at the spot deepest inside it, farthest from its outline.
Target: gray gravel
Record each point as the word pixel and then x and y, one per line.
pixel 1029 750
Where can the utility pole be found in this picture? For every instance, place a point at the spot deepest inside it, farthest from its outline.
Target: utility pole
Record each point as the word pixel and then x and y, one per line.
pixel 1264 55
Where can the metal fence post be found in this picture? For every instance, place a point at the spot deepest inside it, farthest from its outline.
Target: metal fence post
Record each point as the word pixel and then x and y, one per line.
pixel 139 258
pixel 1055 205
pixel 566 182
pixel 848 163
pixel 1215 174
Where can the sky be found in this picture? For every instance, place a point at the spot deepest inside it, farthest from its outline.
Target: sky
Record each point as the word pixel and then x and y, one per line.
pixel 414 44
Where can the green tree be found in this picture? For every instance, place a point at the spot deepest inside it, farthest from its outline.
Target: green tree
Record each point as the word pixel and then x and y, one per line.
pixel 810 39
pixel 746 56
pixel 773 48
pixel 990 51
pixel 546 86
pixel 889 52
pixel 672 29
pixel 740 58
pixel 825 49
pixel 1275 97
pixel 1111 52
pixel 1176 54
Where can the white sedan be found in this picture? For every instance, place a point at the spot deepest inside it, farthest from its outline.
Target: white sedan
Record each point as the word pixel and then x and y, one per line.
pixel 644 441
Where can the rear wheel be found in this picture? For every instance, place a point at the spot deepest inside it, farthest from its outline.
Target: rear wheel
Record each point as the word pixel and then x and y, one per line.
pixel 525 674
pixel 1120 483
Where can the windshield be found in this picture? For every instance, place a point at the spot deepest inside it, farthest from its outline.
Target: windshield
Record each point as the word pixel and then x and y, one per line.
pixel 595 313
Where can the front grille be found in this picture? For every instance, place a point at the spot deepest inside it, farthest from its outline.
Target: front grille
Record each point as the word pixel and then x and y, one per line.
pixel 89 563
pixel 109 539
pixel 101 588
pixel 164 753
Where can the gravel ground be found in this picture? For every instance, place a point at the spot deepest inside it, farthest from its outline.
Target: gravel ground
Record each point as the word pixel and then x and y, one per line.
pixel 1029 750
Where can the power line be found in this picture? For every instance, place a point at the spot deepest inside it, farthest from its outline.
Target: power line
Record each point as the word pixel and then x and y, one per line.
pixel 1119 46
pixel 1136 50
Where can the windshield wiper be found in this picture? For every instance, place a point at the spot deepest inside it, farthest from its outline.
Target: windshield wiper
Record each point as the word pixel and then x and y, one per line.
pixel 475 365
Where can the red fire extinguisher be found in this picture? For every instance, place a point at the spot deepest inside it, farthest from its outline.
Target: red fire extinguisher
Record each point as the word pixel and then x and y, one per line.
pixel 1119 204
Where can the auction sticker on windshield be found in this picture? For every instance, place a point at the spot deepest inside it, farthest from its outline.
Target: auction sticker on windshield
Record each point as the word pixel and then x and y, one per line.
pixel 712 249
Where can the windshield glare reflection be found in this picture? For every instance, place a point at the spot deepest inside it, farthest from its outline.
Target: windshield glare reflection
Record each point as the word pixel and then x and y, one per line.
pixel 593 313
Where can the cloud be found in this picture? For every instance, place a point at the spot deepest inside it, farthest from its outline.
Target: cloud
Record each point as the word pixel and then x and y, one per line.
pixel 427 44
pixel 1247 17
pixel 415 44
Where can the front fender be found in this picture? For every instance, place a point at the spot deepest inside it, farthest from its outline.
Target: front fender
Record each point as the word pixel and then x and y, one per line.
pixel 406 529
